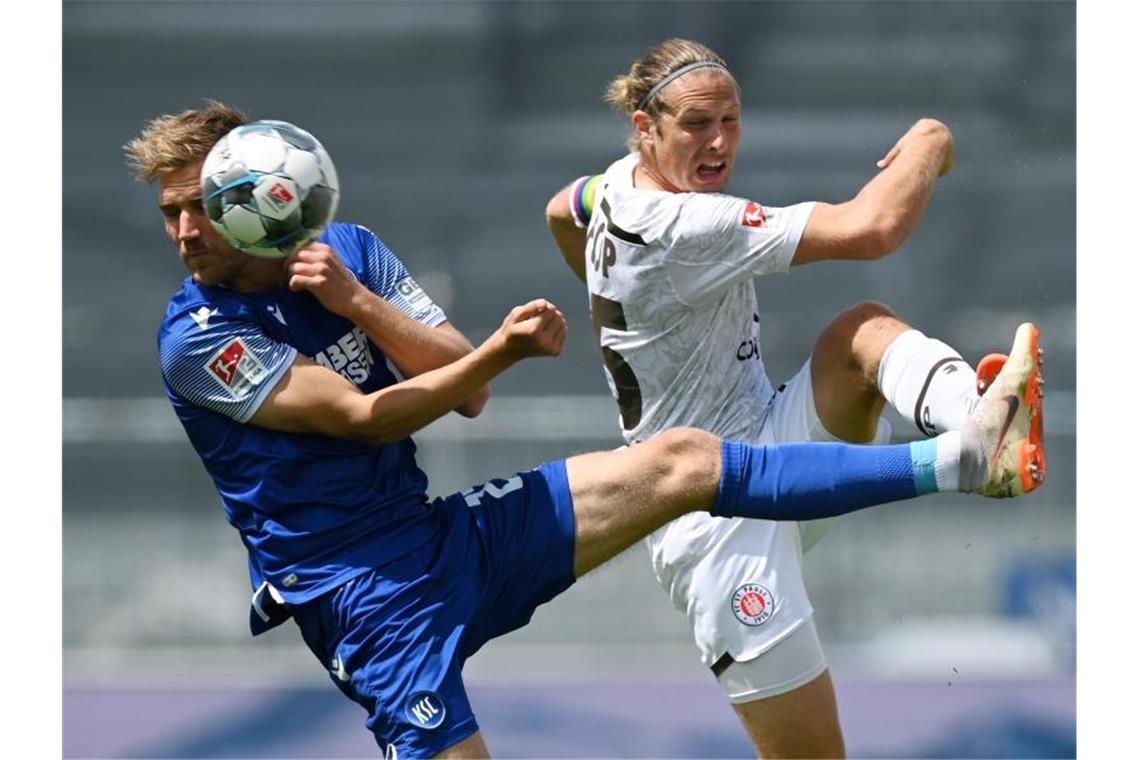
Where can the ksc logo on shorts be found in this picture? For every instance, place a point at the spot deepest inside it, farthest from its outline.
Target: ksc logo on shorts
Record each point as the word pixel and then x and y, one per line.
pixel 425 709
pixel 753 604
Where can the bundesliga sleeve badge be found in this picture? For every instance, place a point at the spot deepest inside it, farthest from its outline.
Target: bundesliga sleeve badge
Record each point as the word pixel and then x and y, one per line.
pixel 753 215
pixel 752 604
pixel 236 368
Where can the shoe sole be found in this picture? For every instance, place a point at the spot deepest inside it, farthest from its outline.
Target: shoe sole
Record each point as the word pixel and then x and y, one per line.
pixel 1031 467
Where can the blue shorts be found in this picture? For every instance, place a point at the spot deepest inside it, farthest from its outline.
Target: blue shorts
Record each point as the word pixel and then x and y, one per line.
pixel 395 638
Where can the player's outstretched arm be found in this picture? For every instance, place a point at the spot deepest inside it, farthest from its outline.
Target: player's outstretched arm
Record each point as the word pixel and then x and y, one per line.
pixel 412 346
pixel 567 215
pixel 310 398
pixel 880 218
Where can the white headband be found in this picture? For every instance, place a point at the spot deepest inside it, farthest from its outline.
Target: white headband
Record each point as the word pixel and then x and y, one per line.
pixel 679 72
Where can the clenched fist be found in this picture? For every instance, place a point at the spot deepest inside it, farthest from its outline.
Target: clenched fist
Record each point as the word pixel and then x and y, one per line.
pixel 927 135
pixel 318 269
pixel 536 328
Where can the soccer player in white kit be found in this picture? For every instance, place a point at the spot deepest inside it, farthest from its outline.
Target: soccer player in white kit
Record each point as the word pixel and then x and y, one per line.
pixel 669 261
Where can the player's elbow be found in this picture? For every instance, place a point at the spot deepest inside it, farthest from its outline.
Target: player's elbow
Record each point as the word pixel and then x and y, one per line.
pixel 558 215
pixel 473 406
pixel 552 218
pixel 883 236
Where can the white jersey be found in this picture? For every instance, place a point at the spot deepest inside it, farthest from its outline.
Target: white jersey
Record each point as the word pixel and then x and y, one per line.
pixel 670 279
pixel 671 294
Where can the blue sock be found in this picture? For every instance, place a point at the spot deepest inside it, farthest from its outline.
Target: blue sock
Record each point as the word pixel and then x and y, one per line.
pixel 809 481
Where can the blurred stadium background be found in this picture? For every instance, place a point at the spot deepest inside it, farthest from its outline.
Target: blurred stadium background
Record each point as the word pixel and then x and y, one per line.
pixel 950 623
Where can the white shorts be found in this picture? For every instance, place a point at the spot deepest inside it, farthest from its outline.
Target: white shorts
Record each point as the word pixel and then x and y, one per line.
pixel 739 581
pixel 795 661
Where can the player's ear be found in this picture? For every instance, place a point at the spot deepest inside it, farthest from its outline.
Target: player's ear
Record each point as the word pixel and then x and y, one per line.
pixel 643 127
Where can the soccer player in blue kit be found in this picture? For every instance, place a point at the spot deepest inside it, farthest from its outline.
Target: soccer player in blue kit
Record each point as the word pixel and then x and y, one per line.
pixel 279 372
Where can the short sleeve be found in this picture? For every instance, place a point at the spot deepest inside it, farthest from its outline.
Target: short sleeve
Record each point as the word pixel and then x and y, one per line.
pixel 386 276
pixel 226 365
pixel 719 240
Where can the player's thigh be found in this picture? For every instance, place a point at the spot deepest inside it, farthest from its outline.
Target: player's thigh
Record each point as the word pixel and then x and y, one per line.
pixel 525 531
pixel 795 414
pixel 471 747
pixel 803 722
pixel 624 495
pixel 738 582
pixel 392 639
pixel 784 682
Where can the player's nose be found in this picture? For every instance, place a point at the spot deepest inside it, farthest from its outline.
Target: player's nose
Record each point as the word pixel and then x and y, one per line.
pixel 188 226
pixel 719 140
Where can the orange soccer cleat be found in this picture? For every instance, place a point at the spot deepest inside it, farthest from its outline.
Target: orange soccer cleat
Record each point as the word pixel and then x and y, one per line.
pixel 1011 410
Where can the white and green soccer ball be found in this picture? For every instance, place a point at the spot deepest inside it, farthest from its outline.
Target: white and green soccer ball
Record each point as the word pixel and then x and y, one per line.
pixel 269 188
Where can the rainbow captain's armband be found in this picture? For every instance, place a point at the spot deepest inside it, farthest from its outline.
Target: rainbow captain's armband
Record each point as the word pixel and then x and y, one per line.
pixel 582 198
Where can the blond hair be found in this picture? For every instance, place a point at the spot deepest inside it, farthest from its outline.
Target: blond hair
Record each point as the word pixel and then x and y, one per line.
pixel 627 91
pixel 171 141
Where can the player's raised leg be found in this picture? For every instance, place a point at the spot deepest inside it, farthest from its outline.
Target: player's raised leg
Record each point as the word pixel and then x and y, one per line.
pixel 867 357
pixel 472 747
pixel 621 496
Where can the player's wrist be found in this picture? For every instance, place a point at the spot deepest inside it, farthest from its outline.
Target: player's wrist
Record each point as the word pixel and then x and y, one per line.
pixel 360 304
pixel 496 352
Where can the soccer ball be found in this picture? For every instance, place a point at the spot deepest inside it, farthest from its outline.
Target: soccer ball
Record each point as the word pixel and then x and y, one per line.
pixel 269 188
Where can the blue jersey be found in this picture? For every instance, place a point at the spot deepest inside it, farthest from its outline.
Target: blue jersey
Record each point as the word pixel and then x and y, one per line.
pixel 313 511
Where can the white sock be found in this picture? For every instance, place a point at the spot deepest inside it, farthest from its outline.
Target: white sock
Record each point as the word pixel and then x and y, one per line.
pixel 946 467
pixel 938 463
pixel 927 382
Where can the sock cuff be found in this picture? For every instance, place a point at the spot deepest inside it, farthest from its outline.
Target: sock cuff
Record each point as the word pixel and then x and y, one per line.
pixel 733 462
pixel 924 462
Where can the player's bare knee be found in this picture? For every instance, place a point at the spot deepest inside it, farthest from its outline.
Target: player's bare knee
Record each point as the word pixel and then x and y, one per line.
pixel 686 447
pixel 686 464
pixel 850 342
pixel 861 317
